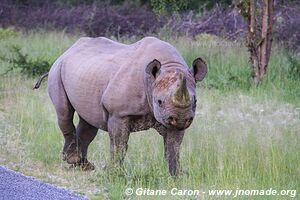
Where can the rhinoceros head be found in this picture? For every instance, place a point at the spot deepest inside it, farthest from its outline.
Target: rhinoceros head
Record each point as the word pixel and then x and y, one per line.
pixel 171 92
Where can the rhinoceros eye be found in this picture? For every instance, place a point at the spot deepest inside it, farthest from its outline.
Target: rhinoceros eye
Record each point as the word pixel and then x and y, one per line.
pixel 159 102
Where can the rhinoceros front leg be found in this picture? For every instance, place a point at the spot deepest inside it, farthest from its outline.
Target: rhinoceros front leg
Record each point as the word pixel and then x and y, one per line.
pixel 172 142
pixel 119 135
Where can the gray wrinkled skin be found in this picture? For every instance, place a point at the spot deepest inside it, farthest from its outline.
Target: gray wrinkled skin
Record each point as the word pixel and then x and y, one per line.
pixel 122 89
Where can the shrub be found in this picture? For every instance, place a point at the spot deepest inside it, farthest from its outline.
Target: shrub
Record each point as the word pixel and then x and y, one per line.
pixel 294 62
pixel 7 32
pixel 27 66
pixel 168 6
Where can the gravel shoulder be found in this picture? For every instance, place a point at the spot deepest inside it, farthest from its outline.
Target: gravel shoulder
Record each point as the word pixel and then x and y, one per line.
pixel 14 185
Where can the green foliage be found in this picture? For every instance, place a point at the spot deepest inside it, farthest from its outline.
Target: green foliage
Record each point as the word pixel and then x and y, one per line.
pixel 159 6
pixel 168 6
pixel 27 66
pixel 294 62
pixel 243 5
pixel 7 32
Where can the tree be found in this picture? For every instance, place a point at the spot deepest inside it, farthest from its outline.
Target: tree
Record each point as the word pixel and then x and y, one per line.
pixel 259 38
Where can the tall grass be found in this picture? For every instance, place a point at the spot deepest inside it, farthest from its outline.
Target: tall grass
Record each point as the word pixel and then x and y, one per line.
pixel 242 136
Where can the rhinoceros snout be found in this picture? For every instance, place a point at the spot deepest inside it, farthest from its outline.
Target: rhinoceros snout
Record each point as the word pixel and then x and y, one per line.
pixel 178 123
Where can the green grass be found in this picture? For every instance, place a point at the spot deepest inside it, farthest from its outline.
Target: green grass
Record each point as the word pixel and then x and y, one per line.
pixel 242 137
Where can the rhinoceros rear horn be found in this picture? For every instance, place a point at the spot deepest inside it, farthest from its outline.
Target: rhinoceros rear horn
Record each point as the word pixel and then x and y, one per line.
pixel 181 97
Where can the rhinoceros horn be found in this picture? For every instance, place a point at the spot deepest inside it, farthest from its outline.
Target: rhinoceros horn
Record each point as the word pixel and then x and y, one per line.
pixel 181 97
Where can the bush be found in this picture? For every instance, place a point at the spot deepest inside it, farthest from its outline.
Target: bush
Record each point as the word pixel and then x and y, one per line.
pixel 7 32
pixel 28 67
pixel 294 62
pixel 169 6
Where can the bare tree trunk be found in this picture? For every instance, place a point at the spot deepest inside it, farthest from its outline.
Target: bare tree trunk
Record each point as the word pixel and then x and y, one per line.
pixel 258 42
pixel 252 38
pixel 266 36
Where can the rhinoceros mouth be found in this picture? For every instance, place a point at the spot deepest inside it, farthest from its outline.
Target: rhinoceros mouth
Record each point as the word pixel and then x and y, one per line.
pixel 173 123
pixel 179 128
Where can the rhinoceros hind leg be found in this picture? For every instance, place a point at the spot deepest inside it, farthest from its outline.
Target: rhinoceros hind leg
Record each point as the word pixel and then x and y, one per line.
pixel 71 149
pixel 65 114
pixel 85 133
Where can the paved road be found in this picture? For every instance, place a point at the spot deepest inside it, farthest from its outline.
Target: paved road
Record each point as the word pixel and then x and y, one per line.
pixel 15 186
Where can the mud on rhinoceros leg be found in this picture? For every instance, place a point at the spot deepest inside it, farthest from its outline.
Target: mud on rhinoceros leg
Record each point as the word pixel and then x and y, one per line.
pixel 118 129
pixel 71 149
pixel 172 142
pixel 65 113
pixel 85 133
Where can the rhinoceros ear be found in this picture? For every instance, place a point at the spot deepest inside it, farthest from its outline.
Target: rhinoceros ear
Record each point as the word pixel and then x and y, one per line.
pixel 199 69
pixel 153 68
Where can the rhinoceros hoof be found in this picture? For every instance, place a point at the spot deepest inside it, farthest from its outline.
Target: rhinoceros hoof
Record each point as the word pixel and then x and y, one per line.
pixel 72 154
pixel 87 166
pixel 73 158
pixel 84 166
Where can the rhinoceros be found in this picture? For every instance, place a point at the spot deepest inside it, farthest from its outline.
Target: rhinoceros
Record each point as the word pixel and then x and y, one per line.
pixel 120 89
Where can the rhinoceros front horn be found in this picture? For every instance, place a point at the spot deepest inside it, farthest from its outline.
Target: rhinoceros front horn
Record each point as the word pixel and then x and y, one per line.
pixel 181 97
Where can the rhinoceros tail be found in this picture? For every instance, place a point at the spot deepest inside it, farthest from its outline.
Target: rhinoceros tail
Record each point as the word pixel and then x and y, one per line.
pixel 38 83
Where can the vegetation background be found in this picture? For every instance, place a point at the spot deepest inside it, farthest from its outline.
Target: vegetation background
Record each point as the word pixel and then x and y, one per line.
pixel 243 136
